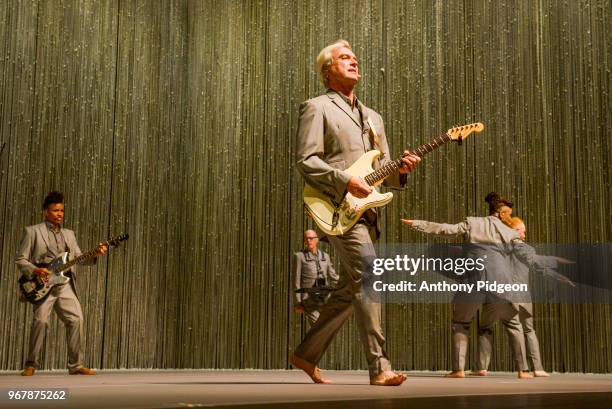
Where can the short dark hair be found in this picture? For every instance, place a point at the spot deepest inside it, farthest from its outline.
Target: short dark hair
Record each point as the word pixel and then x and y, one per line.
pixel 496 201
pixel 53 197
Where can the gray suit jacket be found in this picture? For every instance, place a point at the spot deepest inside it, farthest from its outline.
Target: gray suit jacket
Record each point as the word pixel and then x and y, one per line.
pixel 490 239
pixel 305 272
pixel 477 230
pixel 508 258
pixel 34 249
pixel 525 259
pixel 330 138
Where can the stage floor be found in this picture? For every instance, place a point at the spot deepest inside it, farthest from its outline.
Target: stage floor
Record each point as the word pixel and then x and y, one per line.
pixel 292 389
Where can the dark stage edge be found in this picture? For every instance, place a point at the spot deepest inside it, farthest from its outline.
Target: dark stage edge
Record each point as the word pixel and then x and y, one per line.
pixel 250 389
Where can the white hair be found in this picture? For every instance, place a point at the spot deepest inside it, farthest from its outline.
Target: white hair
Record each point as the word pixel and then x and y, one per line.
pixel 324 59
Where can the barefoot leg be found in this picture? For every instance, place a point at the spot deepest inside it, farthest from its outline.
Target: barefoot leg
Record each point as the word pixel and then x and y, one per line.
pixel 388 378
pixel 311 370
pixel 455 374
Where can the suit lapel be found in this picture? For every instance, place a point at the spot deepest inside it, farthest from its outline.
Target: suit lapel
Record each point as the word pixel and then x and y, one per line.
pixel 337 100
pixel 69 241
pixel 42 229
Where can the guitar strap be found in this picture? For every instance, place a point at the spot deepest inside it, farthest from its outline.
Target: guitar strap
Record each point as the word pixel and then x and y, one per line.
pixel 374 138
pixel 370 129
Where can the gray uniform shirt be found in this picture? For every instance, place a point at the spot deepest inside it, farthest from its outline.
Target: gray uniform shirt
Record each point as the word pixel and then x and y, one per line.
pixel 307 267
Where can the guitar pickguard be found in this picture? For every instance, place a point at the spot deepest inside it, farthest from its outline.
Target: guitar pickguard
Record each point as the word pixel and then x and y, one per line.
pixel 322 210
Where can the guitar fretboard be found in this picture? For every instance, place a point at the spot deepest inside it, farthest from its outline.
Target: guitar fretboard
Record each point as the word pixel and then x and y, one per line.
pixel 93 253
pixel 78 260
pixel 394 166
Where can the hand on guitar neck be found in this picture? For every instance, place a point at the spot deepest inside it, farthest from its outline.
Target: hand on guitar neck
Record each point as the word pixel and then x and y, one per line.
pixel 410 162
pixel 102 249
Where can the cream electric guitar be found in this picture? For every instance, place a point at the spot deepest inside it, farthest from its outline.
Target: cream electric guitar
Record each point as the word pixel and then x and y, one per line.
pixel 338 219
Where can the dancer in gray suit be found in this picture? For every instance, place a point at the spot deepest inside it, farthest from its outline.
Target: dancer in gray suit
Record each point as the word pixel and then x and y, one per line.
pixel 312 268
pixel 42 243
pixel 545 265
pixel 487 231
pixel 525 315
pixel 333 132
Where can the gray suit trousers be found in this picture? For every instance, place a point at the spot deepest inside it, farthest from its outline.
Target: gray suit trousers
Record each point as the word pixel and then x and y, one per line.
pixel 312 311
pixel 531 340
pixel 509 316
pixel 312 316
pixel 464 311
pixel 63 300
pixel 351 248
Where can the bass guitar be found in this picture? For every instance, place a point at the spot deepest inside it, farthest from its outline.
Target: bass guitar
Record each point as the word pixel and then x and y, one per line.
pixel 36 289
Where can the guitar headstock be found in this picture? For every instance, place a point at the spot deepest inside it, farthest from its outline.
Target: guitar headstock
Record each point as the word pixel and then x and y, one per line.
pixel 459 133
pixel 114 242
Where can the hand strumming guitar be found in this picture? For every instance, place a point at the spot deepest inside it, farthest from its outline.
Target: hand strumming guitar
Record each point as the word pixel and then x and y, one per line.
pixel 358 187
pixel 42 273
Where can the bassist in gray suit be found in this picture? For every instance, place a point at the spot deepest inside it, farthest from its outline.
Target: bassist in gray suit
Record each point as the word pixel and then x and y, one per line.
pixel 333 132
pixel 41 244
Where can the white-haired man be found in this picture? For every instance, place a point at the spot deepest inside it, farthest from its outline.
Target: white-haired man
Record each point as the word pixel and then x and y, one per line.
pixel 333 132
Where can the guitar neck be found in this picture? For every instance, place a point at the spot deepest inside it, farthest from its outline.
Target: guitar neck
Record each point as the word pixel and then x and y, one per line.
pixel 81 259
pixel 394 166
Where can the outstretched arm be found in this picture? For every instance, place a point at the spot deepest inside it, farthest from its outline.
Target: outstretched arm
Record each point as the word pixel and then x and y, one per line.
pixel 545 265
pixel 439 229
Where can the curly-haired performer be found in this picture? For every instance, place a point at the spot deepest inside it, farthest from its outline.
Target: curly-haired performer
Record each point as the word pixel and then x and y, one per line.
pixel 42 243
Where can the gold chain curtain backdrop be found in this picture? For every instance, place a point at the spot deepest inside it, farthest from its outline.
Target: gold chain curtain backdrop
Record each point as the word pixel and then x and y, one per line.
pixel 175 120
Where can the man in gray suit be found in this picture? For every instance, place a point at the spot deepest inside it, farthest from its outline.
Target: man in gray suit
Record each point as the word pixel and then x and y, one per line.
pixel 333 132
pixel 312 268
pixel 40 245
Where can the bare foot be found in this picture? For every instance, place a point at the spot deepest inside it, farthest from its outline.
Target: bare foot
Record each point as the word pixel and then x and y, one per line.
pixel 524 375
pixel 480 372
pixel 455 374
pixel 388 378
pixel 542 374
pixel 311 370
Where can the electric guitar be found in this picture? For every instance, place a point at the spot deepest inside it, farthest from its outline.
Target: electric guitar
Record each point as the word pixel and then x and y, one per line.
pixel 35 289
pixel 335 219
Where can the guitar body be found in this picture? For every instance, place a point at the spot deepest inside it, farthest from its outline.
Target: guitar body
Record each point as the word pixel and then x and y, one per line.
pixel 34 290
pixel 338 220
